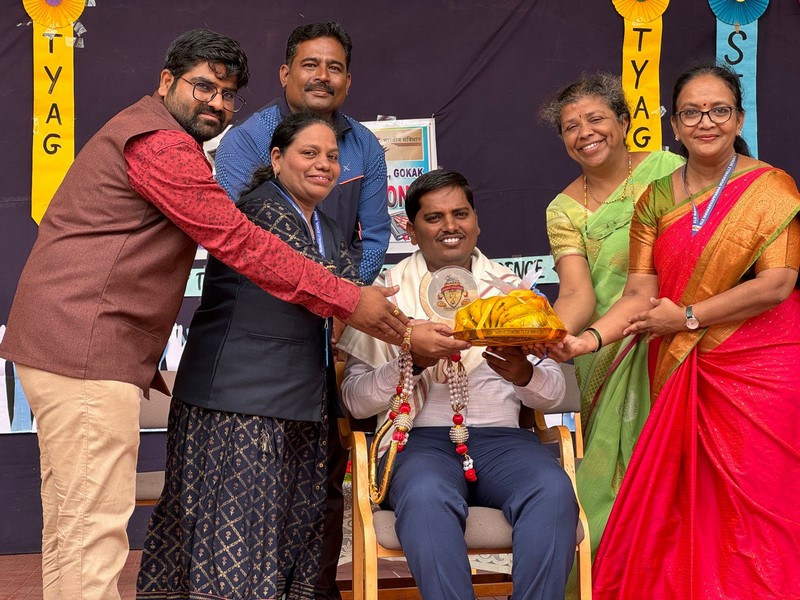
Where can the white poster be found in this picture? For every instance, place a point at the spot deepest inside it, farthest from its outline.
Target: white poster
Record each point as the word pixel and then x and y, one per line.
pixel 410 146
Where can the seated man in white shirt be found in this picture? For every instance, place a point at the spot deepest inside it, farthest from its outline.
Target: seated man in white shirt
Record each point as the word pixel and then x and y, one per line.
pixel 431 487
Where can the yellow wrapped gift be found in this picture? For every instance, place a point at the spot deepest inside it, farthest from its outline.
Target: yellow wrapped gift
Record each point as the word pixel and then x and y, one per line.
pixel 520 317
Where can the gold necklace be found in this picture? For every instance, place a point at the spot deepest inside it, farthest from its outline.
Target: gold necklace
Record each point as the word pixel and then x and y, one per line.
pixel 627 193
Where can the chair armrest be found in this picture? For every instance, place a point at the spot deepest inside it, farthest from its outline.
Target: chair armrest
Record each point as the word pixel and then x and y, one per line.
pixel 343 423
pixel 563 437
pixel 345 434
pixel 362 507
pixel 559 434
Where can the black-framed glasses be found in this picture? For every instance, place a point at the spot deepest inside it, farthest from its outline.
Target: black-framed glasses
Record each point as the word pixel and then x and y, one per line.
pixel 717 115
pixel 203 91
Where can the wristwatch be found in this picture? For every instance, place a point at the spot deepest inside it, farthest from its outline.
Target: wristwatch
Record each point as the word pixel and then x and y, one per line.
pixel 691 320
pixel 416 369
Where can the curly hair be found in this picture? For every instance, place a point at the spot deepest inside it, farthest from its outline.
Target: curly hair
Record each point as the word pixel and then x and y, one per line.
pixel 602 85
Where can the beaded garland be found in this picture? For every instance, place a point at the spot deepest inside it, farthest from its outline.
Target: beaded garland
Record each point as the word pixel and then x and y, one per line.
pixel 458 383
pixel 399 418
pixel 400 408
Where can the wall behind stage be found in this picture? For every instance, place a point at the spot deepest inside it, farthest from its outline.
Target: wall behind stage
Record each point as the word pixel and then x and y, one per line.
pixel 481 67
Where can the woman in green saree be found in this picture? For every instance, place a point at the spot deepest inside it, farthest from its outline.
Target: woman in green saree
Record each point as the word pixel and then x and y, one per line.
pixel 587 225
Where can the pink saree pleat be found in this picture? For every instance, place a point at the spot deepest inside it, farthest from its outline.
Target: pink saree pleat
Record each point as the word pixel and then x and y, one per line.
pixel 709 506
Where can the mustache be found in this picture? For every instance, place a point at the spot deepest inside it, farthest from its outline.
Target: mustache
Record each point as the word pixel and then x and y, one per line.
pixel 319 85
pixel 207 109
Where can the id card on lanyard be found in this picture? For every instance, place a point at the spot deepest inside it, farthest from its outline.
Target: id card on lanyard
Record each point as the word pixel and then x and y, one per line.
pixel 320 242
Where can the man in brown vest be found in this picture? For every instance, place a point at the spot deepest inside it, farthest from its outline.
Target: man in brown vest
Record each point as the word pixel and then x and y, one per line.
pixel 102 288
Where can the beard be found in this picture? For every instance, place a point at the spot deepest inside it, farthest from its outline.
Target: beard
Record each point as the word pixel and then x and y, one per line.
pixel 201 130
pixel 189 118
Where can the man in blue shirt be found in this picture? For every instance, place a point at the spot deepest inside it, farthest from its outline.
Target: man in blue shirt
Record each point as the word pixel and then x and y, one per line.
pixel 316 78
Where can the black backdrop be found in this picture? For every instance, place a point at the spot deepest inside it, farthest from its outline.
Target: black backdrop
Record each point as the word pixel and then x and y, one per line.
pixel 481 67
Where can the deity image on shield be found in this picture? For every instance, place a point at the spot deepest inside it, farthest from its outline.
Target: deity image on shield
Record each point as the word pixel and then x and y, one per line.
pixel 452 294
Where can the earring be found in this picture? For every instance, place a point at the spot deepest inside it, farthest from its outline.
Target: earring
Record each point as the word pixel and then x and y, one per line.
pixel 677 139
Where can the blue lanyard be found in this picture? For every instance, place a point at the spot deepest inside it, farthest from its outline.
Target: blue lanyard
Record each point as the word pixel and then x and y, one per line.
pixel 321 246
pixel 314 219
pixel 697 221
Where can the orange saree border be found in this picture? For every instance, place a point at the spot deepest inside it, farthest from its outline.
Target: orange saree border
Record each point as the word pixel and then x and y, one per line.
pixel 766 206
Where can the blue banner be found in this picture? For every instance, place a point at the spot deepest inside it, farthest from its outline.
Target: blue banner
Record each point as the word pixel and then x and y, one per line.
pixel 736 47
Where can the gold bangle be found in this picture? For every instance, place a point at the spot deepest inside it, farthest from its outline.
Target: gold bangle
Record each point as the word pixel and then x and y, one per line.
pixel 406 343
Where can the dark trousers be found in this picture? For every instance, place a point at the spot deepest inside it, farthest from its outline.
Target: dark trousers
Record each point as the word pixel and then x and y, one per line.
pixel 430 497
pixel 326 588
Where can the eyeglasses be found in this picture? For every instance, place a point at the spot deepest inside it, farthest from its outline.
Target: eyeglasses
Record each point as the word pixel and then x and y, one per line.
pixel 717 115
pixel 205 92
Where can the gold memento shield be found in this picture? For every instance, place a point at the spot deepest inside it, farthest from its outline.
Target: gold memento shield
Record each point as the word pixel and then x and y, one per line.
pixel 442 293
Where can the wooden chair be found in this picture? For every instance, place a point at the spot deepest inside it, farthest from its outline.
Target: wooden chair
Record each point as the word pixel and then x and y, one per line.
pixel 574 394
pixel 487 530
pixel 153 414
pixel 572 402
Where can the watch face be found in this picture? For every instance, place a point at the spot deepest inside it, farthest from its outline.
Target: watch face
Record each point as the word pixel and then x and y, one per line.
pixel 692 323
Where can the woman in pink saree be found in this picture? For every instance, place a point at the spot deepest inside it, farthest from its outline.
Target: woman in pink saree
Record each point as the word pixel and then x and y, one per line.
pixel 709 506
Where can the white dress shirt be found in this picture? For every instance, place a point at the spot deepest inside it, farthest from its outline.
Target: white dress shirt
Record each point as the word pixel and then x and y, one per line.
pixel 493 401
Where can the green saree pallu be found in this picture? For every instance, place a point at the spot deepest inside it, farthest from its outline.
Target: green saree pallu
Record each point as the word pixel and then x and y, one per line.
pixel 615 391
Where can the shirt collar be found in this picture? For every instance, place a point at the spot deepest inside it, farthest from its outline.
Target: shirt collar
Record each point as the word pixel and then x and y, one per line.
pixel 340 124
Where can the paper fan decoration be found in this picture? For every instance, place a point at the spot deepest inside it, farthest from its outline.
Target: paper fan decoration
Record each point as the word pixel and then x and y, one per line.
pixel 54 14
pixel 738 12
pixel 641 11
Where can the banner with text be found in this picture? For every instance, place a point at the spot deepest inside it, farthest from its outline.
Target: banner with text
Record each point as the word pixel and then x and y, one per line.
pixel 410 147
